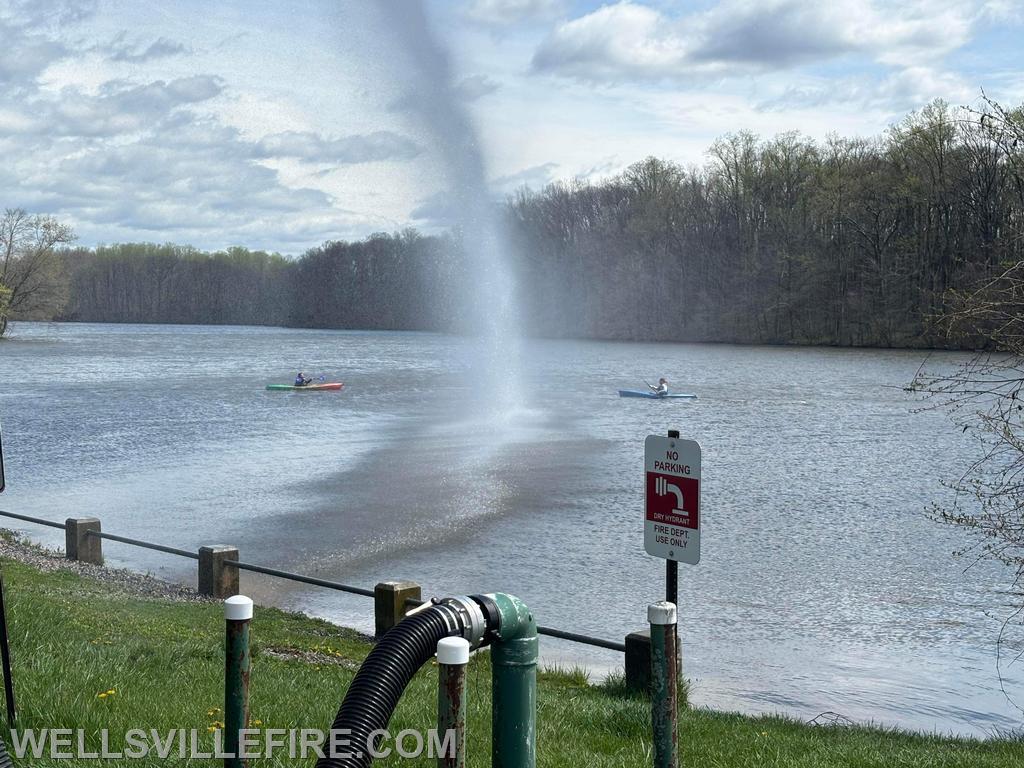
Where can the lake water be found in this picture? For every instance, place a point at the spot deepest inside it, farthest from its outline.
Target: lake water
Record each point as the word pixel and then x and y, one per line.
pixel 823 584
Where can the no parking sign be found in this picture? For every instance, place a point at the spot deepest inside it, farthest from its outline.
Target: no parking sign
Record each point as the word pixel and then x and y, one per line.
pixel 672 498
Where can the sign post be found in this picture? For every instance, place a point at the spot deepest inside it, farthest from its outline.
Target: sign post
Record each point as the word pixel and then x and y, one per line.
pixel 672 532
pixel 672 504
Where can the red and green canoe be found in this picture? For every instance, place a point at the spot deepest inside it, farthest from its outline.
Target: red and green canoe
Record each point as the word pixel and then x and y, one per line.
pixel 308 387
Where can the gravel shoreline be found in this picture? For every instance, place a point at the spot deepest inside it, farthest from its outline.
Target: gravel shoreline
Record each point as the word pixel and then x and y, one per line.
pixel 12 547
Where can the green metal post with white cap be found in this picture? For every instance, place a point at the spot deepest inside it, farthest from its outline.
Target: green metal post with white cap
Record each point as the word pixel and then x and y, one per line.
pixel 452 658
pixel 237 615
pixel 514 654
pixel 664 677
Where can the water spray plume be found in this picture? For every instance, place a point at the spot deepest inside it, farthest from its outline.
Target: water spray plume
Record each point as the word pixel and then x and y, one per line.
pixel 488 289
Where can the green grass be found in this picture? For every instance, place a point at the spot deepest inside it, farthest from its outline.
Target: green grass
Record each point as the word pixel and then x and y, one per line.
pixel 72 639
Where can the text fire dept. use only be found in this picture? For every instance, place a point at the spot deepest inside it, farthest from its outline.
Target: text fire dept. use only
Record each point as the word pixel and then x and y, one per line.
pixel 672 498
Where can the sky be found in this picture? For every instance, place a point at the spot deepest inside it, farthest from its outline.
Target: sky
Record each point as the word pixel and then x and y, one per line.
pixel 279 125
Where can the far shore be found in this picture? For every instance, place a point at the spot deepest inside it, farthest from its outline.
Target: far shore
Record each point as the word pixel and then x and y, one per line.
pixel 925 345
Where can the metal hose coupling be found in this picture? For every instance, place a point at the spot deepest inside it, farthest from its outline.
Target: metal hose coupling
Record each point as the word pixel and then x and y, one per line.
pixel 465 617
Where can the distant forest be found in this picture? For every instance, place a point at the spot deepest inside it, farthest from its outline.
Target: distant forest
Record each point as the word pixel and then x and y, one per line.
pixel 782 240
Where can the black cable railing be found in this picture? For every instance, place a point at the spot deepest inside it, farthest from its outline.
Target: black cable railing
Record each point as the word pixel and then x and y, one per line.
pixel 143 544
pixel 560 634
pixel 301 578
pixel 576 637
pixel 38 520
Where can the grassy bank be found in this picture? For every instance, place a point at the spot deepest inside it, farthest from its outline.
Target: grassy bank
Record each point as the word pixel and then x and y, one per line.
pixel 87 658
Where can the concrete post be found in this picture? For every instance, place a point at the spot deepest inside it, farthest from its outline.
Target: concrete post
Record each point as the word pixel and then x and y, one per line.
pixel 215 578
pixel 638 661
pixel 389 603
pixel 80 546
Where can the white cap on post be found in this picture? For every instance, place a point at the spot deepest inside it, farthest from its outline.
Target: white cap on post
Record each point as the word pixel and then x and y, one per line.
pixel 238 608
pixel 662 613
pixel 453 650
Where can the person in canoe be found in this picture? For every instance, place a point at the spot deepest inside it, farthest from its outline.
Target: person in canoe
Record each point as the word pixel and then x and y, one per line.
pixel 662 389
pixel 302 381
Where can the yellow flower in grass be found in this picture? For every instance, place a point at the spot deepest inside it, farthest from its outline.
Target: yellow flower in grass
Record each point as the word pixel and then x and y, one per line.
pixel 105 694
pixel 212 711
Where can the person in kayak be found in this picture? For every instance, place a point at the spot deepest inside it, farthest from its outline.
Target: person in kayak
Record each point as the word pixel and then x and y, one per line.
pixel 662 389
pixel 302 381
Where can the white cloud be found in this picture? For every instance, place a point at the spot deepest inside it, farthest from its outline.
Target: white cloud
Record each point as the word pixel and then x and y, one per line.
pixel 534 177
pixel 503 12
pixel 441 209
pixel 151 158
pixel 117 108
pixel 901 91
pixel 602 169
pixel 437 211
pixel 615 42
pixel 162 47
pixel 781 33
pixel 475 87
pixel 629 41
pixel 304 145
pixel 1003 11
pixel 25 54
pixel 49 14
pixel 186 177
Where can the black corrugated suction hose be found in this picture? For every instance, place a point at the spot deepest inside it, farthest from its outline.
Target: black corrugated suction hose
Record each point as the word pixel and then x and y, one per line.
pixel 374 693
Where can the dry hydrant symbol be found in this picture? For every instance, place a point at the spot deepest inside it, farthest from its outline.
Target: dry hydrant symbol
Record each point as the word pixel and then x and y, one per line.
pixel 673 500
pixel 663 487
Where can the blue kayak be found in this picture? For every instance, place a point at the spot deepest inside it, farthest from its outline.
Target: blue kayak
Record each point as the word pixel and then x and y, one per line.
pixel 652 396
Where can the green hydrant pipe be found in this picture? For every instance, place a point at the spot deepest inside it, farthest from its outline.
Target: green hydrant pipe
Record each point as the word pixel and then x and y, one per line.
pixel 237 614
pixel 452 658
pixel 514 652
pixel 664 676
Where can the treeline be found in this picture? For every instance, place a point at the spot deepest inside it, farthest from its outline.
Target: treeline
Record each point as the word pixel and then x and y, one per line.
pixel 147 283
pixel 399 281
pixel 786 240
pixel 783 240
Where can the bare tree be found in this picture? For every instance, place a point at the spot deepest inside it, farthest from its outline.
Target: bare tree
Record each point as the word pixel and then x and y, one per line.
pixel 31 278
pixel 986 395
